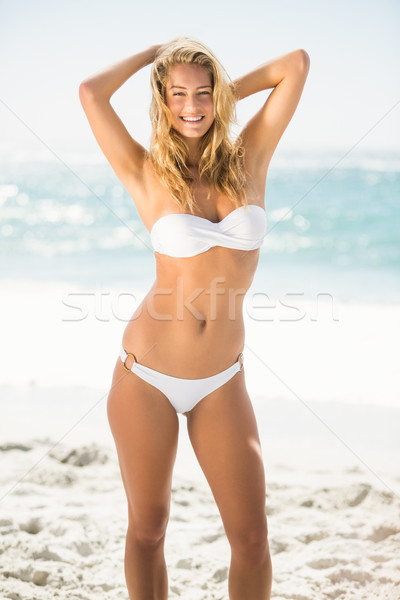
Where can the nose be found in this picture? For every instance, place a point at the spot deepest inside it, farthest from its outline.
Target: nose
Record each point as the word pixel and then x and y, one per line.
pixel 192 102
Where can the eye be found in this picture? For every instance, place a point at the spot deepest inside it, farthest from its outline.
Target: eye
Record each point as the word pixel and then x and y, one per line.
pixel 178 94
pixel 208 93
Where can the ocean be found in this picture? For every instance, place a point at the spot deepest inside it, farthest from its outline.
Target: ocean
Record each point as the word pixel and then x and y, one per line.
pixel 337 229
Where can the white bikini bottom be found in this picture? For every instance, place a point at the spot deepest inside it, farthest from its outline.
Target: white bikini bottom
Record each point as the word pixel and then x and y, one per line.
pixel 183 394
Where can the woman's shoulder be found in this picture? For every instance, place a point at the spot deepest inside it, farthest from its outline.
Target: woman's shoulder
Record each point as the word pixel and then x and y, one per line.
pixel 149 194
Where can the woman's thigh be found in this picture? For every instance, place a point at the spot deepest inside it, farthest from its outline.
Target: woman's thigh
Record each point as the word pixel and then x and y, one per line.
pixel 224 435
pixel 145 429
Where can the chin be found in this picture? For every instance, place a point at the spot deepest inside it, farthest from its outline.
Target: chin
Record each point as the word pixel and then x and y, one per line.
pixel 185 135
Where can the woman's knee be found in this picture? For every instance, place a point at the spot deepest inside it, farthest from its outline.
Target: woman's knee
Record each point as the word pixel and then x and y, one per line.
pixel 250 544
pixel 148 529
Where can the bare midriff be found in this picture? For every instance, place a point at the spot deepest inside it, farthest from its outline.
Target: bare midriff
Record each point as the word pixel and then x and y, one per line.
pixel 190 324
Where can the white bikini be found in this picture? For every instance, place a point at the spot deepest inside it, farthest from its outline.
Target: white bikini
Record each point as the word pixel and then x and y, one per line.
pixel 183 235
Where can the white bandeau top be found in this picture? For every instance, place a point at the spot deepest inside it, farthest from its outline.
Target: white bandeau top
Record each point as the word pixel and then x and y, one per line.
pixel 182 235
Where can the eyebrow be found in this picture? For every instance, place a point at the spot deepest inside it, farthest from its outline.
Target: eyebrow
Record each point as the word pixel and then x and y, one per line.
pixel 180 87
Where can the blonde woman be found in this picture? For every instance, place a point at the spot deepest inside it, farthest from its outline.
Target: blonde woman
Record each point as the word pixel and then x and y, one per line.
pixel 201 195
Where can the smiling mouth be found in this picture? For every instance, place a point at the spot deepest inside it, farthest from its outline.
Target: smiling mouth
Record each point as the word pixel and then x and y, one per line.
pixel 192 119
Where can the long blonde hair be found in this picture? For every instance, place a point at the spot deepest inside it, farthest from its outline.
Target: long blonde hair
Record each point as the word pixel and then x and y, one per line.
pixel 221 162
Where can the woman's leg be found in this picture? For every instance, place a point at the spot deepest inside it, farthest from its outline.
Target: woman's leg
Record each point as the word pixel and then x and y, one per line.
pixel 145 429
pixel 223 431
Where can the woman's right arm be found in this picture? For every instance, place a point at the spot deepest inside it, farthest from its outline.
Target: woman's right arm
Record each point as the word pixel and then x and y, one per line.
pixel 125 155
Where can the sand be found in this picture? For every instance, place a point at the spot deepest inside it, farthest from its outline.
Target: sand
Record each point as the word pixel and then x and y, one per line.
pixel 334 524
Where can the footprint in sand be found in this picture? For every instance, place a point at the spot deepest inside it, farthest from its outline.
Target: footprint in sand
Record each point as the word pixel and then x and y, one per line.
pixel 46 554
pixel 184 563
pixel 381 533
pixel 14 446
pixel 32 526
pixel 359 495
pixel 323 563
pixel 38 577
pixel 220 575
pixel 80 457
pixel 351 575
pixel 317 535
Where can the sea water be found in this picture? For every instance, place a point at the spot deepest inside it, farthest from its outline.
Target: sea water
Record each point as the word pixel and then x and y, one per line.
pixel 328 229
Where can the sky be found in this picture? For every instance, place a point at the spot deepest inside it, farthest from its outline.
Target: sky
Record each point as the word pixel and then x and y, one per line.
pixel 47 48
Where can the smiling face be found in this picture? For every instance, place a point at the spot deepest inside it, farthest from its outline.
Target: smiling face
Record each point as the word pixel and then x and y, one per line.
pixel 189 96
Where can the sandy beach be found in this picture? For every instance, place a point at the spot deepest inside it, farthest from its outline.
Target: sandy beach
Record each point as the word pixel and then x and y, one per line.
pixel 333 510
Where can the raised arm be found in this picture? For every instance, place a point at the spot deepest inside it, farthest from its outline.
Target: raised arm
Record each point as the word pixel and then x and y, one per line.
pixel 287 75
pixel 124 154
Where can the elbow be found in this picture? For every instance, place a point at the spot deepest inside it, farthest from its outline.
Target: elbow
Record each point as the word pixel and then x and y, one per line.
pixel 84 88
pixel 299 63
pixel 90 89
pixel 86 91
pixel 304 59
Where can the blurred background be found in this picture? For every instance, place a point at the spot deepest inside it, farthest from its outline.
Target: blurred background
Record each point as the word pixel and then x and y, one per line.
pixel 322 315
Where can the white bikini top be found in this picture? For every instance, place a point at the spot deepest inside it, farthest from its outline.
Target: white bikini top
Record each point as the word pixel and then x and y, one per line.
pixel 182 234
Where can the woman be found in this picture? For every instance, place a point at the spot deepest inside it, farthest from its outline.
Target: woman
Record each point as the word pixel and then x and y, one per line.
pixel 182 350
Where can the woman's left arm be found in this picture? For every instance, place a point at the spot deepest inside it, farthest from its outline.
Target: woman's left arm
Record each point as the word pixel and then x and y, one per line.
pixel 287 75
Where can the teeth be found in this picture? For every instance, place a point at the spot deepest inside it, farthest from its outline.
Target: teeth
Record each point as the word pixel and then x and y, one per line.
pixel 192 118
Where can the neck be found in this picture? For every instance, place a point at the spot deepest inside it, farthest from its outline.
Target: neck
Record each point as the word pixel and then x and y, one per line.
pixel 193 146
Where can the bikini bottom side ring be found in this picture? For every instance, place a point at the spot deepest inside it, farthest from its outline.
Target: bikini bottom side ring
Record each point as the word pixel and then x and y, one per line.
pixel 183 394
